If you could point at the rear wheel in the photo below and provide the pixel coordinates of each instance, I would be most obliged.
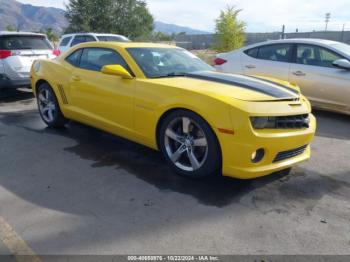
(49, 108)
(189, 145)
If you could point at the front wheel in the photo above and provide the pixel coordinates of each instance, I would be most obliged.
(189, 145)
(49, 108)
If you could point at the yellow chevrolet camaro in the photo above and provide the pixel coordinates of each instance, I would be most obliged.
(164, 97)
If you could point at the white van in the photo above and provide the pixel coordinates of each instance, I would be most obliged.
(69, 40)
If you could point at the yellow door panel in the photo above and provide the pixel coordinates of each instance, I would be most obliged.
(103, 98)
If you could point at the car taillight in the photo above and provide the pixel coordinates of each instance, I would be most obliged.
(5, 54)
(56, 52)
(219, 61)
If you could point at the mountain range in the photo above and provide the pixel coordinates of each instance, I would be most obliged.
(26, 17)
(171, 28)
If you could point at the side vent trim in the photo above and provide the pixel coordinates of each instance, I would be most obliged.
(63, 95)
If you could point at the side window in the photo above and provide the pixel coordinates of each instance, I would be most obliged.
(316, 56)
(278, 52)
(111, 38)
(306, 54)
(78, 39)
(328, 57)
(65, 41)
(89, 38)
(95, 58)
(74, 58)
(253, 52)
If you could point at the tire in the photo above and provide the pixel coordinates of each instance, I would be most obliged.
(49, 108)
(189, 145)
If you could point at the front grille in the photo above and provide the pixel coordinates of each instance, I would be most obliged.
(292, 122)
(290, 153)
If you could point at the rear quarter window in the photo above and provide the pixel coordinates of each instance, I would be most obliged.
(65, 41)
(253, 52)
(24, 42)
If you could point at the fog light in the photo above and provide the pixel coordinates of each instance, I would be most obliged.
(258, 155)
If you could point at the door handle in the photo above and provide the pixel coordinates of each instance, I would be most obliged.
(76, 78)
(250, 66)
(299, 73)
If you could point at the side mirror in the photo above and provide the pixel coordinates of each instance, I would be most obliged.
(342, 64)
(116, 70)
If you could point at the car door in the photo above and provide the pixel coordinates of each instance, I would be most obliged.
(324, 84)
(272, 60)
(101, 98)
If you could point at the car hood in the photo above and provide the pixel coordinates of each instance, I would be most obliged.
(247, 88)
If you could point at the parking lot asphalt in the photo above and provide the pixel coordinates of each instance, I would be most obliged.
(79, 190)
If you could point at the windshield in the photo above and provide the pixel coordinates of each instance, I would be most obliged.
(167, 62)
(23, 42)
(113, 38)
(342, 47)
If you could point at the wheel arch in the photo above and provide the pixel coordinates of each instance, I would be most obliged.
(60, 94)
(171, 110)
(39, 83)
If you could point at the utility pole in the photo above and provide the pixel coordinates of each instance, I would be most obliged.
(283, 29)
(342, 33)
(327, 18)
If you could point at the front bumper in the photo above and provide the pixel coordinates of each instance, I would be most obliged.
(237, 150)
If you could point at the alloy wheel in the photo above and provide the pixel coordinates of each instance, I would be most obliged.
(186, 144)
(47, 105)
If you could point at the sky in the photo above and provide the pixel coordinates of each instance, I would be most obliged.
(259, 15)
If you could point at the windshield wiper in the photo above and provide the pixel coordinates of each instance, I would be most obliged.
(177, 74)
(172, 74)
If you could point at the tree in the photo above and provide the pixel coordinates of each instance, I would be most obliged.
(10, 28)
(229, 31)
(130, 18)
(159, 36)
(51, 35)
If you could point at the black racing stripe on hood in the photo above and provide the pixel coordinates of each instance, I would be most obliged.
(244, 82)
(277, 84)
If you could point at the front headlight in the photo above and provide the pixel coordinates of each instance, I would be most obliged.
(261, 122)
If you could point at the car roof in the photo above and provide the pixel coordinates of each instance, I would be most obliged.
(305, 40)
(94, 34)
(19, 33)
(294, 40)
(125, 45)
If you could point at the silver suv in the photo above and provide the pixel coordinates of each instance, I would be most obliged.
(18, 50)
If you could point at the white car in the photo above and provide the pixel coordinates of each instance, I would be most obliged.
(69, 40)
(18, 50)
(320, 67)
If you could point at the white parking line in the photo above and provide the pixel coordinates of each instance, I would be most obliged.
(16, 244)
